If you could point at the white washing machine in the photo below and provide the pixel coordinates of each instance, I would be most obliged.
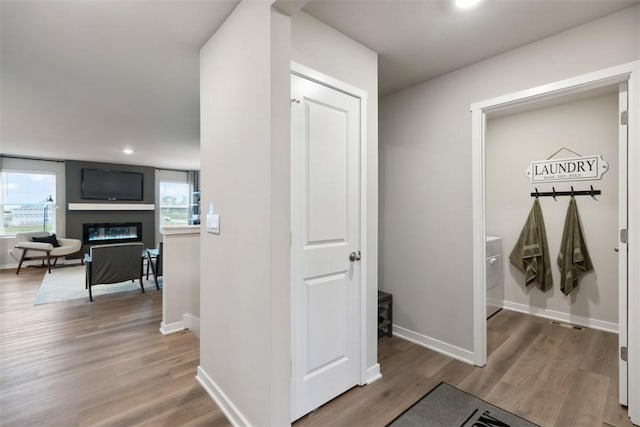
(495, 282)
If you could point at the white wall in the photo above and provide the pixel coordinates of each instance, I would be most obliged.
(244, 336)
(55, 167)
(589, 127)
(181, 276)
(328, 51)
(425, 169)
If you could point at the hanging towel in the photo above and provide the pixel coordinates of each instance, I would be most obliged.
(531, 252)
(573, 258)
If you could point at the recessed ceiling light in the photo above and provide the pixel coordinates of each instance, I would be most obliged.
(127, 151)
(466, 4)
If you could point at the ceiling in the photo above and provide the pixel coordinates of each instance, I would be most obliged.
(419, 40)
(84, 79)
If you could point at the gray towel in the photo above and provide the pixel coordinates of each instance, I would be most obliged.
(573, 258)
(531, 252)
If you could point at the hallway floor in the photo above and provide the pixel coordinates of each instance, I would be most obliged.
(550, 374)
(105, 363)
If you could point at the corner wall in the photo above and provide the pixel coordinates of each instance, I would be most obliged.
(244, 289)
(425, 171)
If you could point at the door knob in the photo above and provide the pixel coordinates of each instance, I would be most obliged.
(616, 249)
(354, 256)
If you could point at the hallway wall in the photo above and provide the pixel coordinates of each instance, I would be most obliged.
(425, 171)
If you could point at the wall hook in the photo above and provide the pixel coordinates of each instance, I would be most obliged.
(572, 191)
(554, 193)
(537, 193)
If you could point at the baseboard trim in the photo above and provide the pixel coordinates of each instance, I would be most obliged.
(9, 266)
(192, 323)
(172, 328)
(600, 325)
(372, 374)
(25, 264)
(230, 410)
(434, 344)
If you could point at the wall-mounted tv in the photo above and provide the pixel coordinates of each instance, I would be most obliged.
(105, 184)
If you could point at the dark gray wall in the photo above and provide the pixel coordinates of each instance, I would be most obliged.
(75, 219)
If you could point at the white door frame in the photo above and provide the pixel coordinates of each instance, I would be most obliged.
(325, 80)
(630, 73)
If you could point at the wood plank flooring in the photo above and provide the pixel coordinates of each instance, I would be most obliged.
(77, 363)
(549, 374)
(105, 363)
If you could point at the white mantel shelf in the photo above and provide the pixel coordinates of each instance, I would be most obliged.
(179, 229)
(112, 206)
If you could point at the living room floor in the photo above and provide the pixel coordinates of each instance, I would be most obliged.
(105, 363)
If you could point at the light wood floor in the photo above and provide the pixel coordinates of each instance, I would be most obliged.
(105, 363)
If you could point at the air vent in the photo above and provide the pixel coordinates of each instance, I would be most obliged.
(566, 325)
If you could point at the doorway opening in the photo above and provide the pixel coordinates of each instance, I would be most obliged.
(593, 85)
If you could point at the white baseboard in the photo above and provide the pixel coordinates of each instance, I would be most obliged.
(8, 266)
(230, 410)
(192, 323)
(372, 374)
(562, 317)
(434, 344)
(172, 328)
(29, 263)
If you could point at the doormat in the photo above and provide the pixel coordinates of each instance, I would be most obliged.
(446, 406)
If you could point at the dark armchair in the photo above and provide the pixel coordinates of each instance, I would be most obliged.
(113, 264)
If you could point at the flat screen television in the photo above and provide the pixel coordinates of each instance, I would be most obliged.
(105, 184)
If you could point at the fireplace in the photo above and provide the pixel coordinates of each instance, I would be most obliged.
(111, 232)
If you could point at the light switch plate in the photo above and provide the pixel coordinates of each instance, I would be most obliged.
(213, 223)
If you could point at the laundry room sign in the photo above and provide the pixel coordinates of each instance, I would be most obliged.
(573, 169)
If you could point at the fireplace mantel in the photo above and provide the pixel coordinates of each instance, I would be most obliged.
(112, 206)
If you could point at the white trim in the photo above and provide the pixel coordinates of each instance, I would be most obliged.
(434, 344)
(626, 72)
(623, 252)
(594, 80)
(62, 261)
(192, 323)
(573, 319)
(478, 121)
(633, 272)
(168, 230)
(112, 206)
(364, 262)
(9, 266)
(373, 374)
(225, 404)
(171, 328)
(325, 80)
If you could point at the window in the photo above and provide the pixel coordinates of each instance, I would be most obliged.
(174, 203)
(26, 199)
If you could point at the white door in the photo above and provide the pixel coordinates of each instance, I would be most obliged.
(325, 244)
(623, 276)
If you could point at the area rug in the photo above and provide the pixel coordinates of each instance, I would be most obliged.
(446, 406)
(66, 283)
